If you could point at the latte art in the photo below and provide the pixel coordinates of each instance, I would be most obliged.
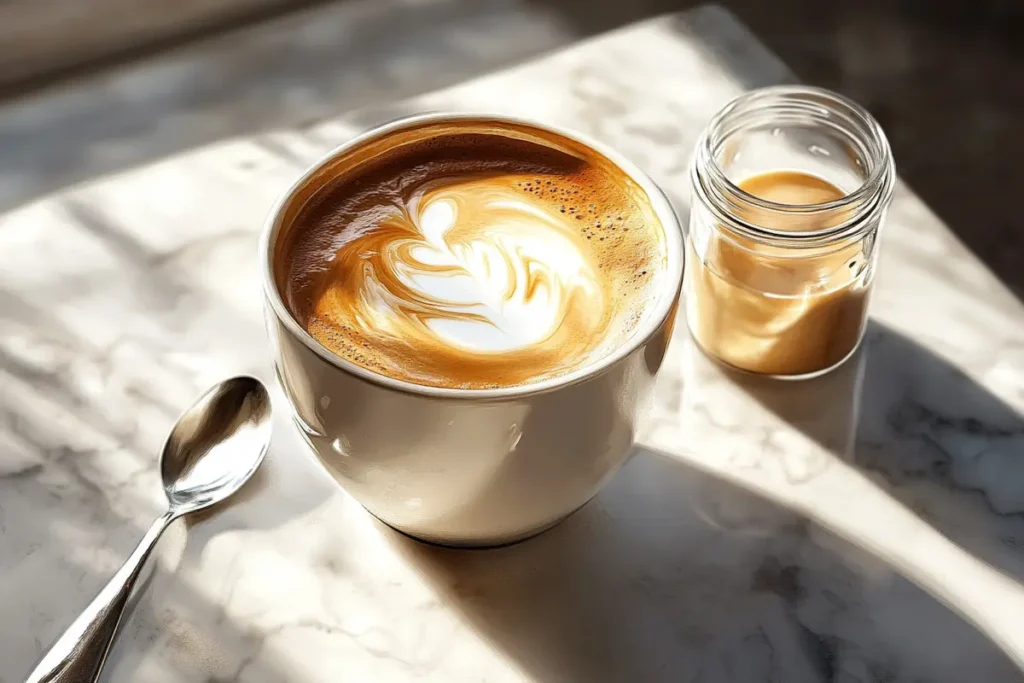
(475, 271)
(471, 265)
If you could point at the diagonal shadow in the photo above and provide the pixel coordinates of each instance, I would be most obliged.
(938, 441)
(299, 68)
(671, 574)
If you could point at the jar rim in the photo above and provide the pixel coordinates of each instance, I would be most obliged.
(870, 196)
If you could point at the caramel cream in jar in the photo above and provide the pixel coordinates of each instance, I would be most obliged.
(791, 185)
(757, 309)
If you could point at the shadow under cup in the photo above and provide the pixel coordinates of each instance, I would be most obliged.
(467, 467)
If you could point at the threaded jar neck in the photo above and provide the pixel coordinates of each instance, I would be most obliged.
(796, 128)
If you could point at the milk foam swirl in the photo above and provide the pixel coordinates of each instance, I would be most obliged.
(473, 258)
(472, 266)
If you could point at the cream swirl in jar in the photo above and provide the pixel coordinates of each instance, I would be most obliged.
(475, 261)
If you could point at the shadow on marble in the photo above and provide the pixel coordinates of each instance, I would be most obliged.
(929, 71)
(285, 73)
(937, 440)
(672, 574)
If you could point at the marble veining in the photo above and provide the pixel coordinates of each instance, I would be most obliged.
(865, 527)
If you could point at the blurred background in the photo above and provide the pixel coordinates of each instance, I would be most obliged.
(945, 79)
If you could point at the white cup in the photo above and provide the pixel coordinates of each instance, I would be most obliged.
(467, 467)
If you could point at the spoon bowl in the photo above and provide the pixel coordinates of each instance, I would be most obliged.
(216, 445)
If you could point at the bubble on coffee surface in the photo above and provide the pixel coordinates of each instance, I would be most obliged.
(479, 275)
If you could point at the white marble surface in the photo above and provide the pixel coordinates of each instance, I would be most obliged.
(866, 527)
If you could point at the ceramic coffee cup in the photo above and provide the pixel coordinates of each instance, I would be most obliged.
(467, 467)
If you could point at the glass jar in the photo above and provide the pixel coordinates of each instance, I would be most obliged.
(790, 189)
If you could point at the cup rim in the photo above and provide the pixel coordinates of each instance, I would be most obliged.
(664, 306)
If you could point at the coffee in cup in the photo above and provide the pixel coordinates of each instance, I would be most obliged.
(474, 259)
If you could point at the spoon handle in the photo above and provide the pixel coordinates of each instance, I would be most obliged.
(79, 653)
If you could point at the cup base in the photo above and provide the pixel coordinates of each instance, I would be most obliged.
(474, 544)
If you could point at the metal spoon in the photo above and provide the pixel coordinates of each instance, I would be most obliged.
(214, 448)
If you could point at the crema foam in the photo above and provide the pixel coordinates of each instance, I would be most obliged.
(486, 258)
